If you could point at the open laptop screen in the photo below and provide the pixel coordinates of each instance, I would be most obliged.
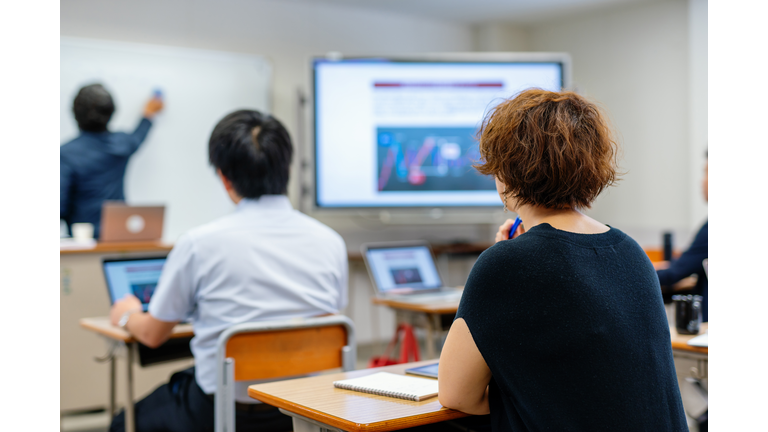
(134, 276)
(395, 268)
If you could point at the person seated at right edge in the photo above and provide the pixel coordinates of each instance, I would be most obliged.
(691, 262)
(263, 262)
(561, 328)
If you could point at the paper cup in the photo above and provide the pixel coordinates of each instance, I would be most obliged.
(82, 231)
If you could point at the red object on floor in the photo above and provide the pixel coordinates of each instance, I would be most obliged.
(409, 348)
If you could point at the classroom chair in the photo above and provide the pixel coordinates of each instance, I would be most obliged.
(278, 349)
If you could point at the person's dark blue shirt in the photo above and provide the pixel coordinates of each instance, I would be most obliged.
(92, 171)
(690, 263)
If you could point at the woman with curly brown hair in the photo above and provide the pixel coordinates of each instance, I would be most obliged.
(562, 327)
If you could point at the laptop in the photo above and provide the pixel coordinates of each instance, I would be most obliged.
(121, 222)
(406, 271)
(137, 276)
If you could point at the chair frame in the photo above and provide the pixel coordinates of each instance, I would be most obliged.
(224, 416)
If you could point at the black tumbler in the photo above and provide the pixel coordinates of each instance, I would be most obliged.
(687, 313)
(667, 246)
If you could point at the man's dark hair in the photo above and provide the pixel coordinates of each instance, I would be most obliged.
(93, 107)
(253, 151)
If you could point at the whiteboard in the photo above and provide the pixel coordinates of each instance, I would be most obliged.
(199, 87)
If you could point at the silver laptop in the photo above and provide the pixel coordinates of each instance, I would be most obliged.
(121, 222)
(406, 271)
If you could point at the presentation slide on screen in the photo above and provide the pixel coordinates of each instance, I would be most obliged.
(134, 277)
(405, 133)
(398, 268)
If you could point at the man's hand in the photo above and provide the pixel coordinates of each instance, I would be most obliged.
(125, 304)
(661, 265)
(503, 232)
(154, 106)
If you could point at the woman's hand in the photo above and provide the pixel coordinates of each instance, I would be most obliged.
(503, 232)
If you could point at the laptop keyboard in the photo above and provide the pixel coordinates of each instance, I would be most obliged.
(432, 297)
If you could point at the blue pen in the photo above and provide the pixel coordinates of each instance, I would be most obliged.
(517, 223)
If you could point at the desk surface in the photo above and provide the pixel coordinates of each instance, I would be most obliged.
(440, 249)
(121, 247)
(680, 342)
(316, 398)
(446, 307)
(102, 326)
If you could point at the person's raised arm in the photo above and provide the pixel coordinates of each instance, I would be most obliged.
(153, 106)
(463, 375)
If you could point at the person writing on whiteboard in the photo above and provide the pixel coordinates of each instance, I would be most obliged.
(266, 261)
(563, 326)
(92, 166)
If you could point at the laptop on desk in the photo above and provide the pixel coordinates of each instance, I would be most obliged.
(121, 222)
(406, 271)
(137, 276)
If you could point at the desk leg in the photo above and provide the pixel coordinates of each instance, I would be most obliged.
(438, 326)
(431, 329)
(112, 384)
(303, 424)
(130, 416)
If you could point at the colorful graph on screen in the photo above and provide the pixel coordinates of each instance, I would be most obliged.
(429, 159)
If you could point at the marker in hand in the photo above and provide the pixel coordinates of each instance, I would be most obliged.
(154, 105)
(515, 225)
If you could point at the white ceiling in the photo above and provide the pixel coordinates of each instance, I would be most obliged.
(474, 11)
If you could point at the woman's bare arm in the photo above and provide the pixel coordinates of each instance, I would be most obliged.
(463, 375)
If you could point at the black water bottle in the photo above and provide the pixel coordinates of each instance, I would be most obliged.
(667, 246)
(687, 313)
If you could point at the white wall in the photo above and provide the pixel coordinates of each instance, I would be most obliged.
(634, 61)
(697, 48)
(647, 64)
(500, 37)
(286, 33)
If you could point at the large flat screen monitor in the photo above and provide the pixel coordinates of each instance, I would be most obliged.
(402, 132)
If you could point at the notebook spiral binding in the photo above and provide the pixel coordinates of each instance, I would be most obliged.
(369, 390)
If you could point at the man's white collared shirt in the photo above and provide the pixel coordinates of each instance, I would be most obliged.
(265, 261)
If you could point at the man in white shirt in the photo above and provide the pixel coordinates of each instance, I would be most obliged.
(265, 261)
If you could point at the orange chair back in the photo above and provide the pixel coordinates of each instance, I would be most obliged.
(282, 353)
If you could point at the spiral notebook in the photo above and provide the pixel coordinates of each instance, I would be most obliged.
(392, 385)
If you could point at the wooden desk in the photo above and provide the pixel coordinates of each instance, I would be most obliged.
(315, 404)
(430, 314)
(121, 247)
(681, 350)
(102, 326)
(83, 293)
(121, 340)
(680, 341)
(442, 249)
